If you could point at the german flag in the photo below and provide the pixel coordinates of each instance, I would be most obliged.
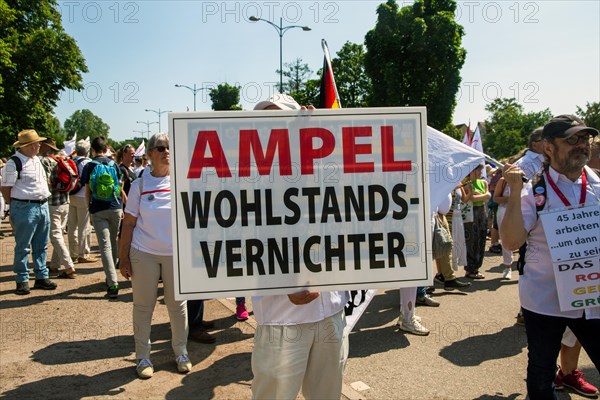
(328, 97)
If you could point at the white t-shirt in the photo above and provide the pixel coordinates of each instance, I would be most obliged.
(537, 286)
(33, 184)
(152, 232)
(279, 310)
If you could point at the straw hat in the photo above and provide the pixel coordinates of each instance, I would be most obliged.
(27, 137)
(51, 143)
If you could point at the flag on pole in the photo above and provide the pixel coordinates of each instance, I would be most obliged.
(477, 145)
(467, 138)
(141, 150)
(69, 145)
(329, 97)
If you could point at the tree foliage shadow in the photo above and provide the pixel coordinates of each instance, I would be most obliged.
(93, 291)
(234, 368)
(474, 350)
(383, 309)
(75, 386)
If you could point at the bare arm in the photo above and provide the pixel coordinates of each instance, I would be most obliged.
(512, 230)
(498, 193)
(6, 193)
(128, 224)
(88, 194)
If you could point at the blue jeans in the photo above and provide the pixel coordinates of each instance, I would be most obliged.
(31, 223)
(106, 223)
(240, 300)
(544, 335)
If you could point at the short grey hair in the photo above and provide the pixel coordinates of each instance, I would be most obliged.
(157, 138)
(82, 148)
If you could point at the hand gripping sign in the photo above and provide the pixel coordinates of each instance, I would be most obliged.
(273, 202)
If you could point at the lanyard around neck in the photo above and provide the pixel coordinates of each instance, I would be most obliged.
(560, 193)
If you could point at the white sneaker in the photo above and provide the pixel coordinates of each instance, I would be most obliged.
(427, 301)
(507, 274)
(184, 365)
(414, 327)
(145, 369)
(401, 318)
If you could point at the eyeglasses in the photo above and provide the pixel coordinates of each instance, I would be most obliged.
(574, 139)
(161, 149)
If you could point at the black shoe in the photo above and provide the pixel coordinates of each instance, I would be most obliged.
(208, 324)
(439, 278)
(455, 283)
(112, 292)
(201, 336)
(496, 248)
(45, 284)
(429, 289)
(22, 288)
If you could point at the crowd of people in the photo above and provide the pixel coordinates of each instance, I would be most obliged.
(129, 208)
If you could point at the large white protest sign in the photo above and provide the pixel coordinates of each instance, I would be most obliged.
(574, 242)
(272, 202)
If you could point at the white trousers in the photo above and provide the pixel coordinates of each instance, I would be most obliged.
(58, 221)
(80, 229)
(408, 297)
(308, 356)
(146, 271)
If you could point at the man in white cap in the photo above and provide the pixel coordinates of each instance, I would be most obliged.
(300, 340)
(25, 189)
(568, 181)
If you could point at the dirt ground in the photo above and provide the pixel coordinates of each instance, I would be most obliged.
(74, 343)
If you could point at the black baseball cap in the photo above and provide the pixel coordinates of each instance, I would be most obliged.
(563, 126)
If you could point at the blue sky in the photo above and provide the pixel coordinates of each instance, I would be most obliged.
(544, 53)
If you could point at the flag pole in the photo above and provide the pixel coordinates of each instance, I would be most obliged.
(328, 60)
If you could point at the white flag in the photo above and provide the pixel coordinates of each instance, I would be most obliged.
(449, 162)
(141, 150)
(69, 145)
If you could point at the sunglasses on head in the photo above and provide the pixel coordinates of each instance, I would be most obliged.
(161, 149)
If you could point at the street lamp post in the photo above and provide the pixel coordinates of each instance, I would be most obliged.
(148, 123)
(193, 90)
(280, 31)
(159, 113)
(142, 132)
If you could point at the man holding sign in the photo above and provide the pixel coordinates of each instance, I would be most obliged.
(300, 339)
(558, 287)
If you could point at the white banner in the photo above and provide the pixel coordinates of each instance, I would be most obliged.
(572, 235)
(273, 202)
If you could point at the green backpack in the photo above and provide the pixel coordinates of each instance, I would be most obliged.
(104, 181)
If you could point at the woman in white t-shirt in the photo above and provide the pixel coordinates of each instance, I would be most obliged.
(145, 252)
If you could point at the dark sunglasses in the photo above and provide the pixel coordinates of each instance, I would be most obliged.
(574, 139)
(161, 149)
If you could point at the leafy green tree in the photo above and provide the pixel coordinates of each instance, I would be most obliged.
(37, 61)
(508, 127)
(414, 57)
(85, 123)
(351, 80)
(225, 97)
(296, 74)
(591, 114)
